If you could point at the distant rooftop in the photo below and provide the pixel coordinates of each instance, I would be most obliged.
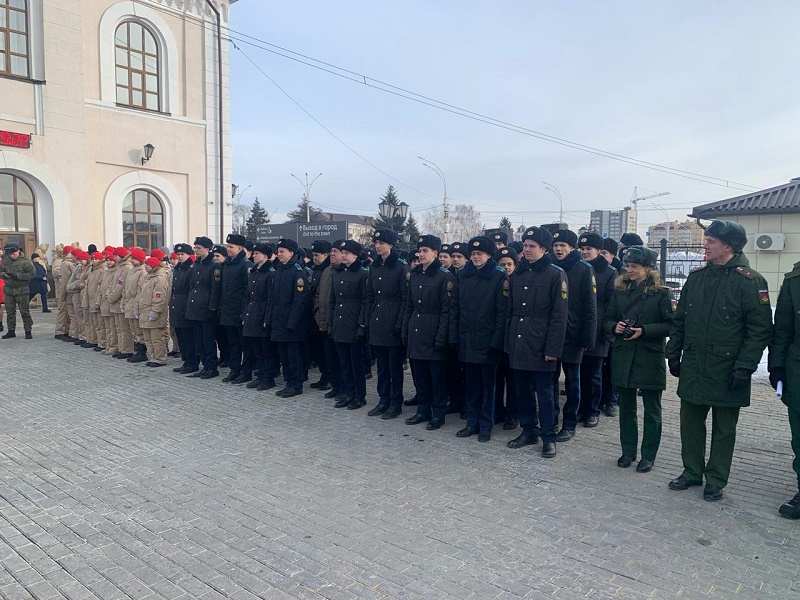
(358, 219)
(779, 199)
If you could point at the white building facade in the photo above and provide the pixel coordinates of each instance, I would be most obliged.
(88, 88)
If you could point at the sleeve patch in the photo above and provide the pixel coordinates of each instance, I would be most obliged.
(158, 294)
(763, 296)
(505, 288)
(674, 304)
(563, 290)
(120, 282)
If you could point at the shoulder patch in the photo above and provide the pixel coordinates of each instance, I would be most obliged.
(763, 296)
(505, 288)
(408, 275)
(700, 268)
(217, 274)
(747, 273)
(563, 290)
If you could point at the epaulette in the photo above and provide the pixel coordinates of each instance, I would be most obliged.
(586, 263)
(402, 261)
(365, 269)
(794, 273)
(746, 272)
(698, 268)
(556, 267)
(298, 267)
(501, 269)
(443, 270)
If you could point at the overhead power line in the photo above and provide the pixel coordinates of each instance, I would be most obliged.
(336, 137)
(388, 88)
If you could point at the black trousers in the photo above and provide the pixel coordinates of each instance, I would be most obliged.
(291, 354)
(186, 342)
(222, 342)
(240, 355)
(456, 383)
(263, 357)
(609, 397)
(431, 390)
(206, 343)
(351, 361)
(390, 374)
(366, 357)
(535, 390)
(572, 383)
(316, 343)
(480, 396)
(332, 360)
(591, 387)
(505, 406)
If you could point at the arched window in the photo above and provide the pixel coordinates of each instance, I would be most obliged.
(17, 209)
(14, 38)
(137, 77)
(142, 220)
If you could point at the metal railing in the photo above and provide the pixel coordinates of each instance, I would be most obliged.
(675, 263)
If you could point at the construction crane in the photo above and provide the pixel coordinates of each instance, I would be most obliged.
(636, 198)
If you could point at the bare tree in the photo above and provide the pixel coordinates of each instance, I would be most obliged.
(465, 222)
(240, 214)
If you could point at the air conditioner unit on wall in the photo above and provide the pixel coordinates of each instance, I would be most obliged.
(772, 242)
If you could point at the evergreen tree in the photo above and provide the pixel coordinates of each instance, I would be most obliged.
(505, 223)
(298, 215)
(412, 231)
(397, 223)
(258, 217)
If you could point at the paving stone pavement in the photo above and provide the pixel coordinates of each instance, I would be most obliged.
(118, 481)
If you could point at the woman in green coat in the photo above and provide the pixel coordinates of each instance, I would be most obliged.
(639, 316)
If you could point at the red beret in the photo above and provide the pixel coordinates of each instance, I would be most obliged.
(121, 252)
(97, 256)
(157, 253)
(81, 255)
(153, 262)
(173, 255)
(108, 249)
(68, 249)
(138, 254)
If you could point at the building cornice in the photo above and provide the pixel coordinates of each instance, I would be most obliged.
(195, 8)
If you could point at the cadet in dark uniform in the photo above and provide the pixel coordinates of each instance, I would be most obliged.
(721, 328)
(504, 406)
(590, 245)
(179, 299)
(639, 316)
(444, 258)
(347, 318)
(477, 328)
(254, 317)
(784, 366)
(426, 327)
(206, 283)
(387, 290)
(320, 257)
(459, 255)
(220, 255)
(499, 237)
(581, 327)
(287, 316)
(609, 400)
(235, 271)
(536, 325)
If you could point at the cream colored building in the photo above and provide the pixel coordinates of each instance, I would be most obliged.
(93, 82)
(771, 218)
(688, 233)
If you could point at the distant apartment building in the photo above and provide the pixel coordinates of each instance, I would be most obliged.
(688, 233)
(613, 223)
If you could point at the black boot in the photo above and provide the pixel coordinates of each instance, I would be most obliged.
(141, 354)
(10, 334)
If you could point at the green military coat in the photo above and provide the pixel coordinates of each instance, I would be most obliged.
(784, 351)
(639, 363)
(17, 274)
(723, 323)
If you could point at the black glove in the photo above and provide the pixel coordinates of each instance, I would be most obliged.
(361, 336)
(11, 275)
(439, 346)
(674, 366)
(775, 375)
(330, 331)
(740, 379)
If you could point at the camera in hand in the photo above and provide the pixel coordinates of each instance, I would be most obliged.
(628, 331)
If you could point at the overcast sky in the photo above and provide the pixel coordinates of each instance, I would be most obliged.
(710, 87)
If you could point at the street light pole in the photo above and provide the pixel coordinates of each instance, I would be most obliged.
(435, 168)
(237, 195)
(554, 189)
(307, 188)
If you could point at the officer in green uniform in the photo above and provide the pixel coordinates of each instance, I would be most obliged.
(784, 365)
(721, 327)
(17, 270)
(639, 316)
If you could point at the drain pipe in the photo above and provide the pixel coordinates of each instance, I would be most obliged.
(219, 118)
